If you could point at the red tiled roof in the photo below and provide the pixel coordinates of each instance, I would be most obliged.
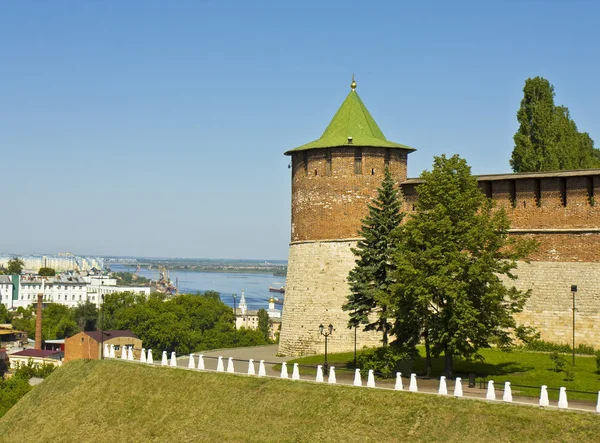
(35, 353)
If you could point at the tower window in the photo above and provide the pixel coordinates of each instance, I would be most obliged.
(328, 162)
(358, 161)
(316, 172)
(372, 171)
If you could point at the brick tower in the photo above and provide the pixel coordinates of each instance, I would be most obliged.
(333, 179)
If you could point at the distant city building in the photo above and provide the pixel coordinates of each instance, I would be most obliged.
(37, 356)
(248, 318)
(69, 289)
(59, 262)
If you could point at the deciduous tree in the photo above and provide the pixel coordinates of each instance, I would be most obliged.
(450, 258)
(548, 138)
(15, 266)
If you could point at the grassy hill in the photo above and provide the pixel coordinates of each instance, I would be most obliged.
(112, 401)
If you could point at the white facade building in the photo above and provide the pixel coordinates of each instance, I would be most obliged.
(67, 289)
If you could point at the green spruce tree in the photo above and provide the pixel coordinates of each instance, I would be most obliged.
(370, 280)
(548, 138)
(449, 261)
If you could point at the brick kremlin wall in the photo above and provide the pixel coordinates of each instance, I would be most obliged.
(557, 209)
(331, 205)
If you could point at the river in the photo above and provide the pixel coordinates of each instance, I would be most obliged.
(255, 286)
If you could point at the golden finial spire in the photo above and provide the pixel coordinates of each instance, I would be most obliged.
(353, 84)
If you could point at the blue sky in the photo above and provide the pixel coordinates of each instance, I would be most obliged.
(157, 128)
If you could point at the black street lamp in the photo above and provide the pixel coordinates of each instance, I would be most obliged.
(326, 334)
(573, 291)
(102, 328)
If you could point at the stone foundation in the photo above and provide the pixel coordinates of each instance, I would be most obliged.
(316, 288)
(550, 307)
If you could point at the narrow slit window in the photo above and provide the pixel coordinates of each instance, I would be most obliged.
(562, 185)
(513, 193)
(328, 162)
(590, 191)
(305, 161)
(358, 161)
(316, 172)
(537, 192)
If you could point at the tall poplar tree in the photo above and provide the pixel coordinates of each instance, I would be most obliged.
(449, 260)
(548, 138)
(371, 279)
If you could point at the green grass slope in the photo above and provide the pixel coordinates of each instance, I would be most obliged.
(112, 401)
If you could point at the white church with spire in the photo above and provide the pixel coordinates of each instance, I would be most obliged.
(248, 318)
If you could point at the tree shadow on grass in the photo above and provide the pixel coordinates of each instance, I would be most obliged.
(465, 367)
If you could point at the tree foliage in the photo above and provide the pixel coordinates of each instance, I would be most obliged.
(185, 323)
(15, 266)
(449, 260)
(371, 279)
(263, 323)
(12, 389)
(547, 138)
(47, 272)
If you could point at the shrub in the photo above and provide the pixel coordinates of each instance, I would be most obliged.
(559, 362)
(598, 362)
(527, 334)
(384, 361)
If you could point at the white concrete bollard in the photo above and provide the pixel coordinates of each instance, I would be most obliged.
(491, 392)
(191, 363)
(398, 386)
(371, 379)
(284, 371)
(149, 359)
(295, 372)
(598, 403)
(412, 386)
(201, 361)
(319, 378)
(106, 351)
(458, 390)
(562, 399)
(507, 396)
(357, 379)
(230, 365)
(262, 372)
(112, 351)
(331, 379)
(173, 360)
(220, 367)
(443, 389)
(544, 401)
(143, 356)
(164, 361)
(123, 353)
(130, 353)
(251, 370)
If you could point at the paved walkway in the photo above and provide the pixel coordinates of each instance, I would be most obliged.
(428, 386)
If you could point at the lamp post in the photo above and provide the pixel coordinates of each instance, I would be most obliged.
(102, 328)
(326, 334)
(573, 291)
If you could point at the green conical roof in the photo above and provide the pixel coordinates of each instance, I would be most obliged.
(351, 120)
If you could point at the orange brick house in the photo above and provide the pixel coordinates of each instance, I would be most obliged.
(88, 344)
